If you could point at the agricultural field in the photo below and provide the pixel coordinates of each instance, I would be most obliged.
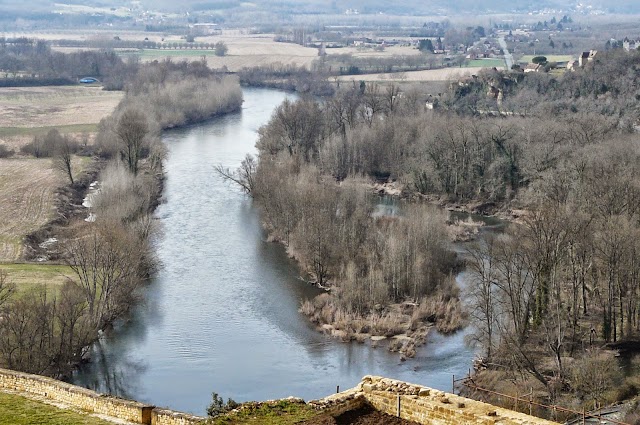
(444, 74)
(27, 187)
(244, 51)
(369, 52)
(25, 110)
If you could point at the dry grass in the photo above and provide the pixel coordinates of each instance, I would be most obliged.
(244, 51)
(362, 52)
(26, 201)
(35, 107)
(406, 324)
(445, 74)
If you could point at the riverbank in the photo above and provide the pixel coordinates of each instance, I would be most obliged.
(106, 244)
(222, 312)
(472, 207)
(374, 266)
(402, 327)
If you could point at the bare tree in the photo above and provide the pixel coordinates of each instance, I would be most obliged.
(132, 129)
(107, 265)
(244, 176)
(7, 288)
(63, 158)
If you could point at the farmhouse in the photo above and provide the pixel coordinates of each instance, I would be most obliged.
(586, 57)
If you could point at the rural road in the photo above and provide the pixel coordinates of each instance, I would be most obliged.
(508, 58)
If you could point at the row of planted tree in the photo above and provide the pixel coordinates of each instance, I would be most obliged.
(48, 330)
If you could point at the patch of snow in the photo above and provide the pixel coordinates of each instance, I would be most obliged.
(48, 243)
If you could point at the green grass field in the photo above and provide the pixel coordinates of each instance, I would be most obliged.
(28, 277)
(485, 63)
(41, 131)
(279, 413)
(16, 410)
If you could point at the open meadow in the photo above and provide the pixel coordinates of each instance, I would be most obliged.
(28, 185)
(244, 51)
(445, 74)
(28, 110)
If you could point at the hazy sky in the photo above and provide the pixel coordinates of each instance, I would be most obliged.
(423, 7)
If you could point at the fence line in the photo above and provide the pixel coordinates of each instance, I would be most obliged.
(467, 381)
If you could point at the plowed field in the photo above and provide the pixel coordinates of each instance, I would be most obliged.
(26, 201)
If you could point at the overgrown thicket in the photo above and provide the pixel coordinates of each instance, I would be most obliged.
(175, 94)
(608, 86)
(550, 291)
(567, 279)
(564, 281)
(287, 77)
(371, 264)
(164, 95)
(111, 255)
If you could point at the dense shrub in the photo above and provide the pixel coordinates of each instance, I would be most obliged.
(50, 144)
(5, 152)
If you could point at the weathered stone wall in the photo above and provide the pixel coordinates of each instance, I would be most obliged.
(78, 397)
(169, 417)
(90, 401)
(336, 404)
(423, 405)
(432, 407)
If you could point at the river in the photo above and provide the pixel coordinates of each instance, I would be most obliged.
(222, 314)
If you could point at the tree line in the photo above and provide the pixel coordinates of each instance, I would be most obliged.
(550, 292)
(110, 255)
(24, 61)
(370, 264)
(555, 288)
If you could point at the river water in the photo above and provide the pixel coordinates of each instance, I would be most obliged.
(222, 314)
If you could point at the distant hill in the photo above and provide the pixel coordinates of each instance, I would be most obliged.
(405, 7)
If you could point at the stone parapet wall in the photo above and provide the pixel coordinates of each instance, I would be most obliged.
(432, 407)
(414, 402)
(91, 401)
(170, 417)
(337, 404)
(78, 397)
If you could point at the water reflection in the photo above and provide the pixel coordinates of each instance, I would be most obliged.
(222, 315)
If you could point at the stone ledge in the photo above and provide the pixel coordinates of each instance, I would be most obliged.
(409, 401)
(171, 417)
(90, 401)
